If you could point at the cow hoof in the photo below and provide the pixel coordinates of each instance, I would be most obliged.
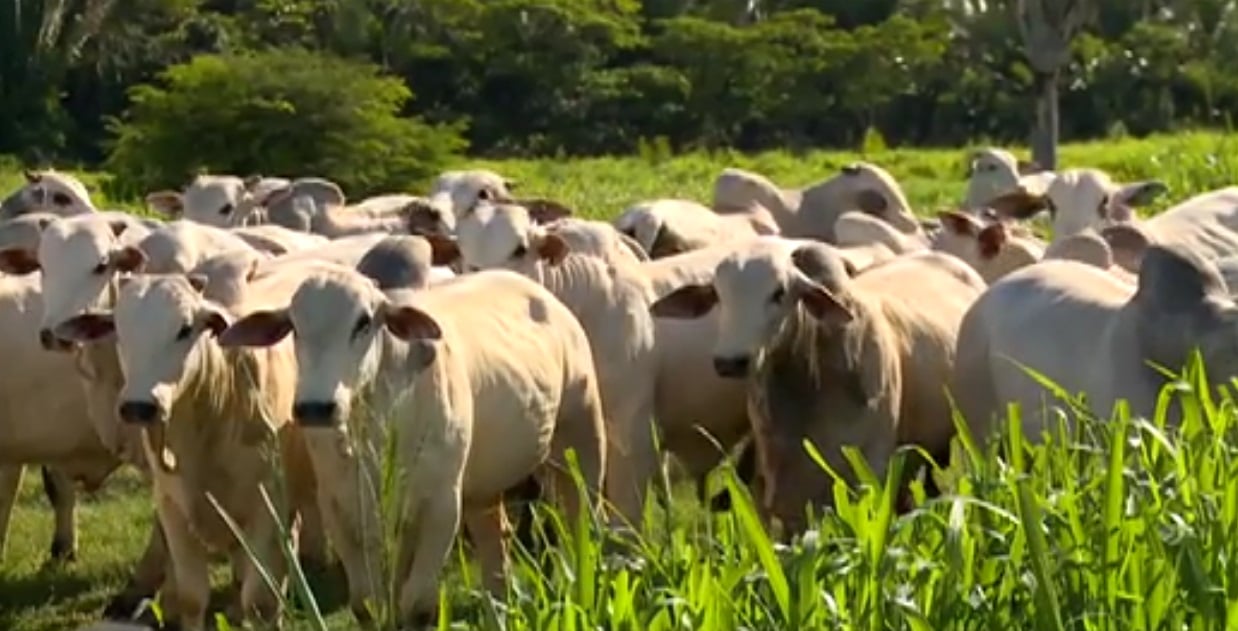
(62, 551)
(128, 606)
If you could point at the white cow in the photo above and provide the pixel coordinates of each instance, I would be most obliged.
(484, 378)
(610, 297)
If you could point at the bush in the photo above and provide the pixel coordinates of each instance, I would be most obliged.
(285, 112)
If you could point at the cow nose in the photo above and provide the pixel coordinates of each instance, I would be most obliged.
(731, 367)
(314, 413)
(139, 412)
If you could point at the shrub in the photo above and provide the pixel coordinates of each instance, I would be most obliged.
(283, 112)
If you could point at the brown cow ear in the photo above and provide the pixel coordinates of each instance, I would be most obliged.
(688, 302)
(18, 261)
(88, 327)
(871, 201)
(32, 177)
(127, 259)
(167, 203)
(197, 281)
(214, 321)
(443, 250)
(424, 219)
(410, 323)
(260, 328)
(823, 305)
(552, 248)
(1019, 204)
(959, 222)
(1027, 167)
(992, 239)
(545, 210)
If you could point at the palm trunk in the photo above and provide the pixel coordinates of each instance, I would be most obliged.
(1045, 135)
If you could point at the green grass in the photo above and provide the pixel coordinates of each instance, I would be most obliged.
(1131, 526)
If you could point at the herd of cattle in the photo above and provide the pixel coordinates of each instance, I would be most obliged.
(260, 335)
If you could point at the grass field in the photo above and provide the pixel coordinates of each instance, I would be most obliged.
(1130, 526)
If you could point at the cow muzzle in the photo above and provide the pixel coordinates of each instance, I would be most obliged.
(315, 413)
(732, 367)
(140, 413)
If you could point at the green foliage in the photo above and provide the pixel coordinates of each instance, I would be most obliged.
(280, 112)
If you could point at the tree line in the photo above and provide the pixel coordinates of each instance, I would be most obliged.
(154, 87)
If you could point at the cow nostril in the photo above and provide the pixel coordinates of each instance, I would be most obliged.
(139, 412)
(314, 413)
(731, 366)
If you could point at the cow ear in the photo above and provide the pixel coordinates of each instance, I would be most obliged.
(1019, 204)
(443, 250)
(252, 182)
(275, 196)
(822, 304)
(127, 259)
(1027, 167)
(88, 327)
(214, 320)
(992, 239)
(260, 328)
(545, 210)
(168, 203)
(118, 226)
(410, 323)
(871, 201)
(959, 223)
(511, 184)
(18, 261)
(552, 248)
(198, 281)
(689, 302)
(1141, 193)
(32, 177)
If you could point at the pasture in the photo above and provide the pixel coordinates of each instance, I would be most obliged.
(1128, 526)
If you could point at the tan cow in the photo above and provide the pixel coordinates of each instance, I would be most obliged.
(835, 360)
(670, 226)
(1078, 199)
(209, 417)
(484, 379)
(610, 298)
(1091, 333)
(812, 212)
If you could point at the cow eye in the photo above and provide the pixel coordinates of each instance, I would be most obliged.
(1104, 205)
(777, 296)
(184, 333)
(1052, 206)
(520, 251)
(100, 268)
(362, 324)
(484, 194)
(60, 199)
(226, 210)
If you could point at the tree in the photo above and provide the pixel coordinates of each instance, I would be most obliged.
(279, 112)
(1047, 28)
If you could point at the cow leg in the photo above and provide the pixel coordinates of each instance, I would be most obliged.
(429, 530)
(10, 484)
(257, 599)
(631, 462)
(521, 497)
(147, 577)
(349, 515)
(190, 569)
(302, 490)
(62, 494)
(489, 529)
